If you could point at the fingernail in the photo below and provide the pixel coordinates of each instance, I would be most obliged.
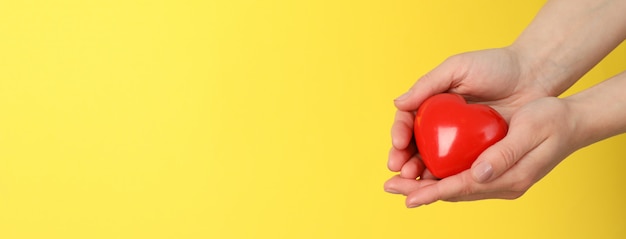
(391, 190)
(404, 96)
(482, 171)
(395, 141)
(413, 205)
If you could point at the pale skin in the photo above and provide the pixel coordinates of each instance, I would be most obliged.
(521, 81)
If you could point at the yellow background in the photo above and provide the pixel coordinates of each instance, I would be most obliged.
(254, 119)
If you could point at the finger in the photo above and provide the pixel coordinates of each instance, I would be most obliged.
(439, 80)
(489, 195)
(519, 178)
(412, 168)
(405, 186)
(501, 156)
(504, 107)
(428, 175)
(397, 157)
(451, 187)
(514, 182)
(402, 129)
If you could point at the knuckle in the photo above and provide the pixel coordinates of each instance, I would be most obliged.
(513, 195)
(467, 188)
(426, 79)
(521, 185)
(507, 156)
(454, 59)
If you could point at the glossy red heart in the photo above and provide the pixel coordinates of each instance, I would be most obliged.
(450, 134)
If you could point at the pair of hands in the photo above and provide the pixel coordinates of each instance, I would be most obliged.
(541, 133)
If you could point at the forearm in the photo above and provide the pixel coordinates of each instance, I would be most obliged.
(600, 111)
(567, 38)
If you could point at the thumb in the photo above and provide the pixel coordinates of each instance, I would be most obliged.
(439, 80)
(501, 156)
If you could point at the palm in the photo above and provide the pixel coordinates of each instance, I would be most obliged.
(494, 77)
(534, 156)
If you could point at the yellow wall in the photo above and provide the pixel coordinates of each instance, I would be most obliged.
(253, 119)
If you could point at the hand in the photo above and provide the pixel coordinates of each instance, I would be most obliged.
(541, 135)
(495, 77)
(536, 65)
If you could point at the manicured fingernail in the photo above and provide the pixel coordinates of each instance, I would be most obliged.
(482, 171)
(404, 96)
(413, 205)
(391, 190)
(395, 141)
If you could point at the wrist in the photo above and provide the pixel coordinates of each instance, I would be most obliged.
(580, 124)
(599, 112)
(567, 38)
(540, 69)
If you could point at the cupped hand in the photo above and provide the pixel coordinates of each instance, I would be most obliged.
(541, 134)
(496, 77)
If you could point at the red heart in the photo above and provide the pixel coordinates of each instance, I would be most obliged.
(450, 134)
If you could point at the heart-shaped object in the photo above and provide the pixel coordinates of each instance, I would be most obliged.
(450, 134)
